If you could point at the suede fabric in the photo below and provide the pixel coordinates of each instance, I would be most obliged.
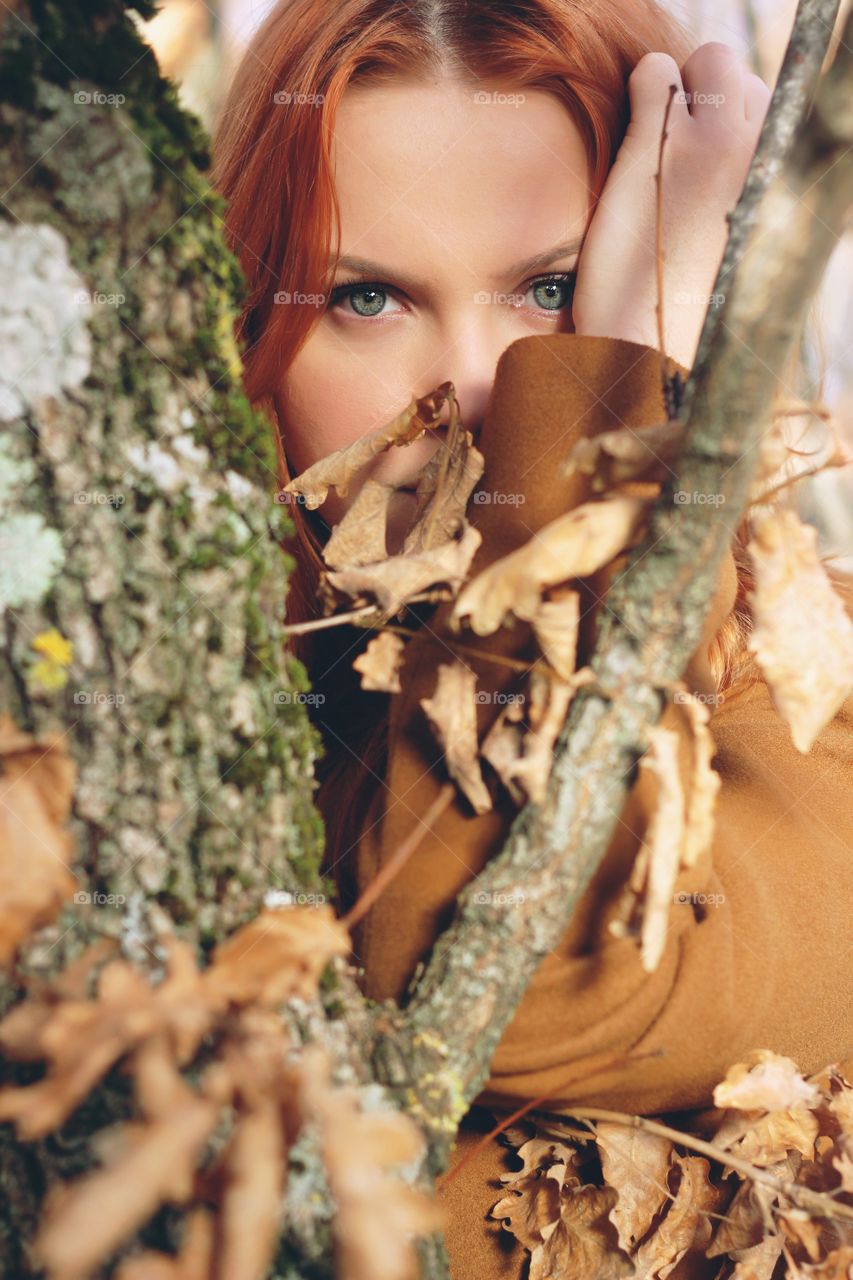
(759, 955)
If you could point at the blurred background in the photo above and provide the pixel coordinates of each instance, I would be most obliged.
(199, 44)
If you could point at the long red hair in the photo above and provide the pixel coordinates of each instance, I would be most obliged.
(272, 162)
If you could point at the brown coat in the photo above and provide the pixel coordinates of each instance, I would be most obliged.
(768, 963)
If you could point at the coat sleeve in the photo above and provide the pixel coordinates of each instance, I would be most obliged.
(759, 949)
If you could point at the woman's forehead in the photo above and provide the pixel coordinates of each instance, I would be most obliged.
(440, 168)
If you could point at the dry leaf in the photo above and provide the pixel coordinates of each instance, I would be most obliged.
(337, 469)
(539, 1153)
(574, 545)
(759, 1262)
(36, 783)
(252, 1203)
(444, 487)
(656, 866)
(194, 1261)
(769, 1083)
(635, 1164)
(452, 712)
(503, 746)
(688, 1224)
(520, 744)
(87, 1221)
(627, 454)
(532, 1208)
(583, 1241)
(704, 782)
(772, 1137)
(748, 1220)
(802, 637)
(546, 710)
(555, 624)
(377, 1214)
(379, 665)
(280, 954)
(359, 537)
(837, 1265)
(393, 582)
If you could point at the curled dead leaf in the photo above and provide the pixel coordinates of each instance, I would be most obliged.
(379, 665)
(377, 1212)
(394, 581)
(36, 783)
(797, 616)
(635, 1163)
(649, 891)
(452, 712)
(627, 453)
(572, 546)
(337, 469)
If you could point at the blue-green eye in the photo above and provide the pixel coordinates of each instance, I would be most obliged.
(552, 293)
(366, 300)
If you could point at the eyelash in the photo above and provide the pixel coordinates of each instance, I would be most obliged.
(342, 291)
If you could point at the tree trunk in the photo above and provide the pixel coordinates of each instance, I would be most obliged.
(138, 519)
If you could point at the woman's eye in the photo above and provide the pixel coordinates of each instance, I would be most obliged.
(365, 300)
(552, 293)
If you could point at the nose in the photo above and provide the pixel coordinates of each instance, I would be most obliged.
(472, 372)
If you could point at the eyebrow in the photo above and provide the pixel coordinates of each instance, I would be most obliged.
(365, 267)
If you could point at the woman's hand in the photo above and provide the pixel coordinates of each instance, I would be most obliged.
(714, 123)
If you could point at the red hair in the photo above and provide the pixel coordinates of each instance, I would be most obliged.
(272, 163)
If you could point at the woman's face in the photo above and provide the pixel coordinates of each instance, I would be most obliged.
(448, 193)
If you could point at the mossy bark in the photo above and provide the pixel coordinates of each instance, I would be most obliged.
(139, 522)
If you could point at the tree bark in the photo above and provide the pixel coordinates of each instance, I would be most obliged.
(138, 519)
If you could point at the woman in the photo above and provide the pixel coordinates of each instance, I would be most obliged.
(430, 190)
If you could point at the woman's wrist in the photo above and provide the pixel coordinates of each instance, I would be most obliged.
(681, 346)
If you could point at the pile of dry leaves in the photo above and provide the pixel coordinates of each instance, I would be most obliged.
(769, 1193)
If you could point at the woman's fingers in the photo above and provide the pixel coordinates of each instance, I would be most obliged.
(757, 97)
(714, 78)
(648, 93)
